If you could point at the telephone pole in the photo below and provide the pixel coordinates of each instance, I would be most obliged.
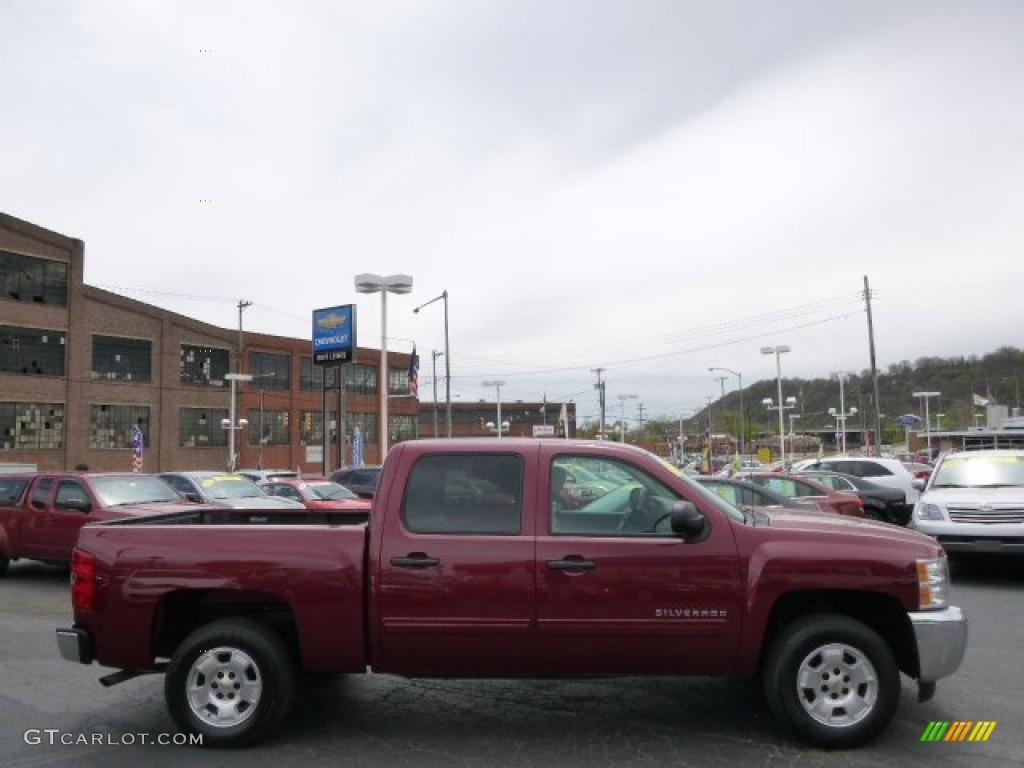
(876, 448)
(600, 397)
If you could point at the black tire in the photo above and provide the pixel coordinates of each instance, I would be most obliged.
(231, 681)
(4, 562)
(833, 680)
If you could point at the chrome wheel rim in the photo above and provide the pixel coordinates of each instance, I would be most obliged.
(837, 685)
(223, 687)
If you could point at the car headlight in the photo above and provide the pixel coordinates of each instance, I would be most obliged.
(933, 583)
(930, 512)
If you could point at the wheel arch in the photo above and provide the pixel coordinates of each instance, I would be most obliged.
(884, 614)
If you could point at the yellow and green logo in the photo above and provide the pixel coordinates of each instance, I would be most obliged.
(958, 730)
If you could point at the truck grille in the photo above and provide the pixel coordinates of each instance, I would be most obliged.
(973, 513)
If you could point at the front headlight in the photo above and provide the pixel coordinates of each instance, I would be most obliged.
(933, 583)
(929, 512)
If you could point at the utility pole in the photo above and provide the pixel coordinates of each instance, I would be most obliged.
(435, 355)
(236, 453)
(640, 410)
(600, 397)
(876, 448)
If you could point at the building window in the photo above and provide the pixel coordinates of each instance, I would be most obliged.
(272, 424)
(121, 359)
(398, 381)
(110, 426)
(32, 351)
(360, 379)
(204, 366)
(403, 428)
(27, 278)
(312, 376)
(201, 427)
(270, 371)
(31, 426)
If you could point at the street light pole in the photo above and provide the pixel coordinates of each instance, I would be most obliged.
(622, 423)
(497, 387)
(370, 283)
(927, 419)
(232, 425)
(777, 351)
(743, 427)
(447, 361)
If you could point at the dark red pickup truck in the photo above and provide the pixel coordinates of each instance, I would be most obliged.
(42, 512)
(472, 566)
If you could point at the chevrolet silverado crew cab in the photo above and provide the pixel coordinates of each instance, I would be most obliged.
(473, 565)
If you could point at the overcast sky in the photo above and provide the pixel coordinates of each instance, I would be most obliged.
(651, 187)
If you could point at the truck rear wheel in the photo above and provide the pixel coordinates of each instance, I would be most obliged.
(230, 681)
(833, 680)
(4, 562)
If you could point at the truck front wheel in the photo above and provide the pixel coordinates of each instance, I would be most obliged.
(231, 681)
(833, 680)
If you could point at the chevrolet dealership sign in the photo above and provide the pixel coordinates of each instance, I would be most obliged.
(334, 335)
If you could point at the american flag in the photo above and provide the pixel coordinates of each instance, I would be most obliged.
(414, 373)
(137, 445)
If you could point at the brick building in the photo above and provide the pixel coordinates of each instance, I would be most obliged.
(81, 367)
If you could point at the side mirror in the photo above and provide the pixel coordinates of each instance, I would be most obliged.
(688, 521)
(918, 484)
(193, 497)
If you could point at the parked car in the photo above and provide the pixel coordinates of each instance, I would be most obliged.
(742, 493)
(796, 487)
(880, 502)
(920, 470)
(319, 493)
(41, 513)
(660, 578)
(360, 480)
(974, 502)
(263, 475)
(224, 490)
(884, 471)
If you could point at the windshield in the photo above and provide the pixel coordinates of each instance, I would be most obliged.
(133, 489)
(228, 487)
(330, 492)
(967, 471)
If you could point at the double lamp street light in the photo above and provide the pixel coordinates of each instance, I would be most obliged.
(370, 283)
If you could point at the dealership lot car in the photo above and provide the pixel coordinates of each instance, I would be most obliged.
(880, 502)
(224, 490)
(974, 502)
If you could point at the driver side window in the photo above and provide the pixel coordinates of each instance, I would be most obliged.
(596, 496)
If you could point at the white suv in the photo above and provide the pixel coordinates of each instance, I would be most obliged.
(888, 472)
(974, 502)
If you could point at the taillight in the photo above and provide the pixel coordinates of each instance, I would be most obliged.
(83, 581)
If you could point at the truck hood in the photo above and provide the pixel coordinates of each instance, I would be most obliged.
(817, 526)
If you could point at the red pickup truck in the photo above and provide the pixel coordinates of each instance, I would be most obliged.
(471, 565)
(42, 512)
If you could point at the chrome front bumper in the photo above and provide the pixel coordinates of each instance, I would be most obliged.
(941, 642)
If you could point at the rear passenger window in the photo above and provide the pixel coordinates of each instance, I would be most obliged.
(11, 488)
(871, 469)
(465, 494)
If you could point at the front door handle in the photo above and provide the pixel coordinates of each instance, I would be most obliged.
(415, 560)
(572, 563)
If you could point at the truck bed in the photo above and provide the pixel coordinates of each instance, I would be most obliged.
(166, 574)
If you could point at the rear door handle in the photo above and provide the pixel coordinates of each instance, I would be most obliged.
(571, 564)
(416, 560)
